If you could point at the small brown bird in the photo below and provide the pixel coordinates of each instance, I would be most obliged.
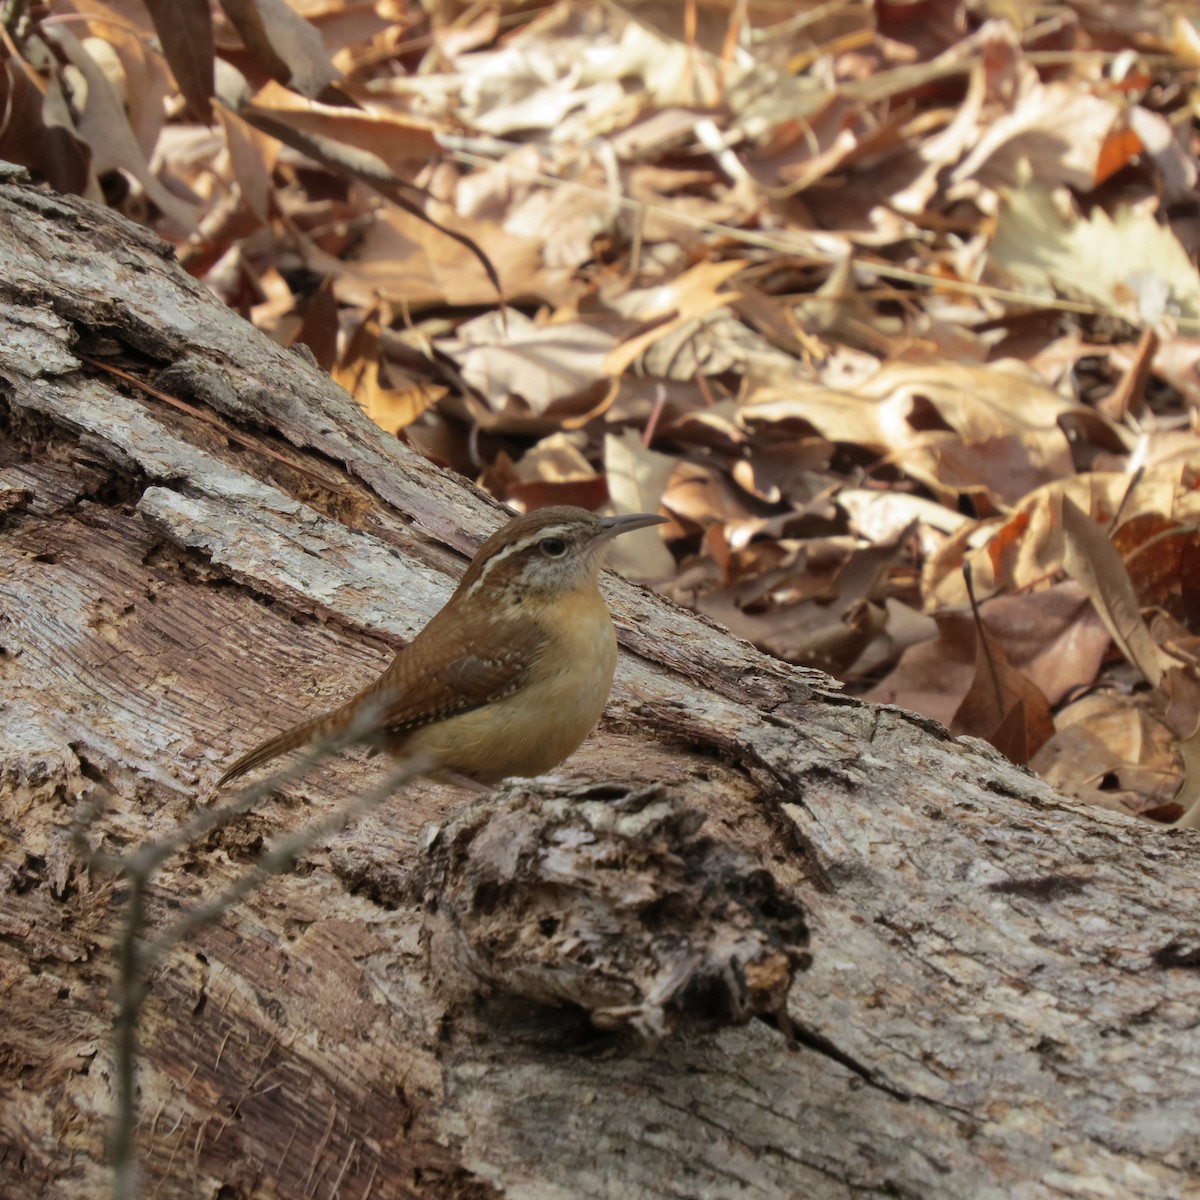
(513, 672)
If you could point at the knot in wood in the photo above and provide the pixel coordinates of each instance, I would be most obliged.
(621, 907)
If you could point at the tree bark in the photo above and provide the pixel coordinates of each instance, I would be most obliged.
(1003, 990)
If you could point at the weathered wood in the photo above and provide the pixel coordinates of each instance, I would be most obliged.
(1015, 977)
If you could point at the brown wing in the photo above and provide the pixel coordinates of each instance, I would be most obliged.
(436, 676)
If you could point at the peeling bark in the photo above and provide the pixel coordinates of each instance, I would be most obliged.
(612, 903)
(1003, 989)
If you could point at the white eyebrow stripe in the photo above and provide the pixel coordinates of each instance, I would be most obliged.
(516, 548)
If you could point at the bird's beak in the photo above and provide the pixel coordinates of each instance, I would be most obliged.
(611, 527)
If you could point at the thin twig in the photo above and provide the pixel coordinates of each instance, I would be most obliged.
(131, 990)
(985, 644)
(151, 855)
(136, 959)
(281, 857)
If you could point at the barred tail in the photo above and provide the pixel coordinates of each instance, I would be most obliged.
(281, 743)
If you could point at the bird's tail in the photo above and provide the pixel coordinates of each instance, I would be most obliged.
(315, 730)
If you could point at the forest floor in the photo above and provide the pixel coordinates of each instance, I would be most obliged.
(892, 309)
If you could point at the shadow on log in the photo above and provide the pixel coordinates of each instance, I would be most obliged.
(1003, 990)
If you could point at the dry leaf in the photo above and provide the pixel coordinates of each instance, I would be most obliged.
(1162, 557)
(395, 140)
(1111, 750)
(184, 28)
(1128, 263)
(1002, 705)
(318, 328)
(552, 472)
(283, 43)
(1092, 560)
(402, 261)
(35, 135)
(694, 294)
(360, 373)
(135, 70)
(1055, 131)
(539, 365)
(253, 156)
(902, 410)
(637, 478)
(104, 125)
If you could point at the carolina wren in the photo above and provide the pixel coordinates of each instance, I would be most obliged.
(513, 672)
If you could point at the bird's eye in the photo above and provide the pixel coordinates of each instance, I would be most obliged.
(553, 547)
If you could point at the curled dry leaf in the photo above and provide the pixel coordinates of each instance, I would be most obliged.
(252, 156)
(1055, 131)
(514, 359)
(318, 328)
(1112, 751)
(1162, 557)
(552, 472)
(283, 44)
(104, 125)
(791, 471)
(394, 139)
(137, 73)
(946, 424)
(362, 375)
(699, 495)
(1092, 560)
(401, 260)
(1026, 548)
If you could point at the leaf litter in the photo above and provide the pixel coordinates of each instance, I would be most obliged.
(892, 310)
